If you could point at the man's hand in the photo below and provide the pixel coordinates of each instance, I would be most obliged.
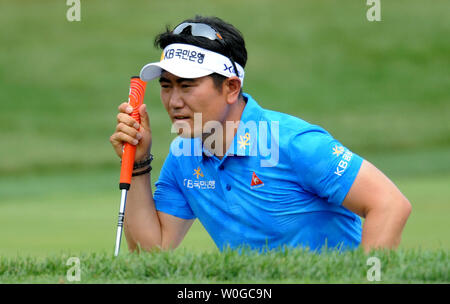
(129, 131)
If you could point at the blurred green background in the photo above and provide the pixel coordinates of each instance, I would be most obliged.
(381, 88)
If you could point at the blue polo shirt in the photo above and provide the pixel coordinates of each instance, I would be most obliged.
(281, 183)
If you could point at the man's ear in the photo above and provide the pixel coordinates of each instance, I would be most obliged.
(232, 87)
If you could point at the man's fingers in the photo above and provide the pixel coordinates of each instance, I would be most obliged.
(145, 121)
(117, 144)
(127, 120)
(130, 131)
(118, 139)
(125, 108)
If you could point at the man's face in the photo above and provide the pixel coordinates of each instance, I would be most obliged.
(182, 97)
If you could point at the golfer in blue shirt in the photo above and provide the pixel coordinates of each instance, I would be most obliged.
(253, 177)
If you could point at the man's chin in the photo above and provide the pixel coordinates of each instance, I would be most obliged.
(185, 130)
(190, 134)
(185, 135)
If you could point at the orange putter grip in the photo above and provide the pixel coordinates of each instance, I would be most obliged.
(135, 99)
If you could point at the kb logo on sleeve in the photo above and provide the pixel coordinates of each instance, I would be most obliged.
(345, 159)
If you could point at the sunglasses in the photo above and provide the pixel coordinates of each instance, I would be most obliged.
(206, 31)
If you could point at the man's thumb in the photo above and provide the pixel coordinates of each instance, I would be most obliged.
(145, 121)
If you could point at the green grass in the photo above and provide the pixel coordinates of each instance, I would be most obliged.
(72, 213)
(290, 266)
(377, 87)
(381, 88)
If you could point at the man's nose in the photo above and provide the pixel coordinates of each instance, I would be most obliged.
(176, 100)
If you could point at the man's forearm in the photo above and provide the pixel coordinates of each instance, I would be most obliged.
(383, 227)
(141, 223)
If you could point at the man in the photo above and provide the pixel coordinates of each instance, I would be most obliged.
(307, 190)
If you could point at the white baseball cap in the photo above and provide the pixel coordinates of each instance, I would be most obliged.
(190, 61)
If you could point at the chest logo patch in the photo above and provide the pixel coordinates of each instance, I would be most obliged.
(256, 181)
(198, 182)
(244, 141)
(198, 172)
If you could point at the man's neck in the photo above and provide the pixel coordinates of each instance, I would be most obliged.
(229, 127)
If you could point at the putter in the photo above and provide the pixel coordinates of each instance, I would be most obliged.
(135, 99)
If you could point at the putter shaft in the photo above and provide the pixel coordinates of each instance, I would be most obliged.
(123, 201)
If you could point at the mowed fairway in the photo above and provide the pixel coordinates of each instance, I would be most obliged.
(67, 217)
(382, 89)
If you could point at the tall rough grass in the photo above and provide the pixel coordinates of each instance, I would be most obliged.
(182, 266)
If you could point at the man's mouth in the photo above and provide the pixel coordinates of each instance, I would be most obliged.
(180, 117)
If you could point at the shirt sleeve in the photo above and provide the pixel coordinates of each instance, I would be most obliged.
(168, 196)
(323, 165)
